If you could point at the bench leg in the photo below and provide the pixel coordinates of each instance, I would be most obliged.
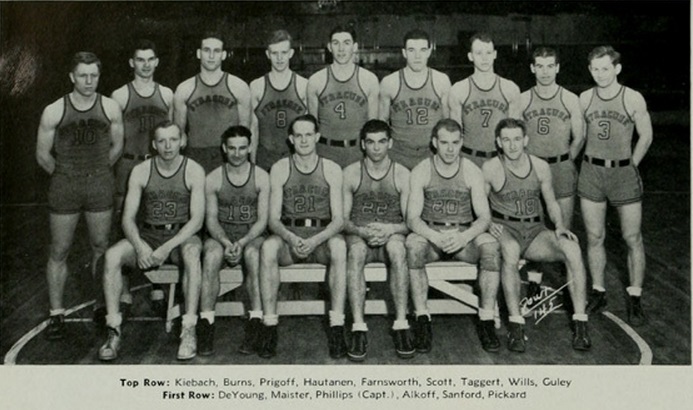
(169, 312)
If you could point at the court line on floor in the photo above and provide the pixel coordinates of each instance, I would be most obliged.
(11, 356)
(645, 351)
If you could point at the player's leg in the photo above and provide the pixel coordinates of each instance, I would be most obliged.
(213, 260)
(420, 252)
(99, 227)
(273, 252)
(334, 256)
(486, 251)
(190, 252)
(510, 279)
(357, 254)
(631, 221)
(253, 327)
(594, 218)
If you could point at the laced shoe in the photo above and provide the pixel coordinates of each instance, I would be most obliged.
(336, 343)
(596, 302)
(205, 337)
(268, 342)
(487, 335)
(109, 350)
(636, 315)
(359, 346)
(516, 337)
(251, 339)
(581, 340)
(423, 334)
(56, 327)
(403, 344)
(188, 343)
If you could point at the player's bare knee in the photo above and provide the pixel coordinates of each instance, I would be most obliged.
(596, 238)
(251, 254)
(337, 247)
(490, 257)
(633, 239)
(269, 251)
(357, 251)
(416, 250)
(112, 262)
(396, 251)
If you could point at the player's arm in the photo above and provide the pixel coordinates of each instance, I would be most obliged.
(301, 86)
(552, 207)
(136, 184)
(46, 135)
(474, 179)
(418, 179)
(458, 93)
(167, 96)
(643, 124)
(180, 107)
(441, 83)
(263, 186)
(279, 174)
(494, 178)
(388, 89)
(512, 93)
(333, 177)
(121, 97)
(352, 177)
(577, 123)
(242, 93)
(212, 186)
(316, 84)
(402, 183)
(114, 113)
(257, 88)
(372, 89)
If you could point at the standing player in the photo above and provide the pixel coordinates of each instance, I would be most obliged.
(305, 215)
(610, 173)
(413, 100)
(207, 104)
(481, 100)
(342, 96)
(446, 191)
(552, 114)
(516, 183)
(376, 190)
(80, 137)
(237, 201)
(170, 188)
(277, 98)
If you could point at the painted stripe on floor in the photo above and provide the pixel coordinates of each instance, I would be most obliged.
(645, 351)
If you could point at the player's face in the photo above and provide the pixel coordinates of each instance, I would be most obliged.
(482, 55)
(376, 145)
(279, 55)
(144, 62)
(304, 137)
(237, 150)
(513, 142)
(448, 145)
(85, 78)
(342, 46)
(211, 54)
(545, 70)
(417, 53)
(167, 143)
(604, 71)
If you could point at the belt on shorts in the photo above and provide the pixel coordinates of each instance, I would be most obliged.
(338, 143)
(608, 163)
(499, 215)
(164, 227)
(306, 222)
(137, 157)
(560, 158)
(477, 153)
(448, 224)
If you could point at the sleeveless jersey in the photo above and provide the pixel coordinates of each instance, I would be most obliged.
(140, 116)
(481, 112)
(306, 196)
(548, 125)
(82, 139)
(447, 199)
(519, 197)
(377, 200)
(276, 110)
(343, 107)
(414, 112)
(237, 204)
(166, 199)
(211, 110)
(609, 127)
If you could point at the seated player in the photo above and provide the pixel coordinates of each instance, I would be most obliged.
(237, 196)
(375, 201)
(170, 188)
(517, 182)
(446, 191)
(305, 215)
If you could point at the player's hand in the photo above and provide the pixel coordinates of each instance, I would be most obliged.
(232, 253)
(144, 254)
(308, 246)
(496, 230)
(159, 256)
(439, 240)
(378, 240)
(562, 232)
(455, 241)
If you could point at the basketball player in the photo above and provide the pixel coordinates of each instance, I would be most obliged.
(305, 216)
(446, 191)
(342, 96)
(481, 100)
(144, 103)
(552, 115)
(610, 173)
(516, 183)
(277, 98)
(413, 100)
(237, 196)
(170, 188)
(376, 190)
(205, 105)
(80, 137)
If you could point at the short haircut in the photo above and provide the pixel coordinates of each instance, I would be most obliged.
(545, 52)
(602, 51)
(235, 131)
(510, 123)
(343, 29)
(482, 36)
(305, 117)
(278, 36)
(447, 124)
(144, 44)
(215, 35)
(162, 125)
(84, 57)
(416, 34)
(373, 127)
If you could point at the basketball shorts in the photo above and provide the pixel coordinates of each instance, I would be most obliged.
(340, 154)
(266, 157)
(523, 232)
(564, 177)
(409, 156)
(374, 254)
(71, 194)
(209, 157)
(235, 231)
(619, 186)
(483, 250)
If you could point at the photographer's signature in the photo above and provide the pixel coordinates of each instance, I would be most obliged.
(541, 305)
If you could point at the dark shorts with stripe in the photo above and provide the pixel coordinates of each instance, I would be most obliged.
(71, 194)
(564, 176)
(342, 155)
(619, 185)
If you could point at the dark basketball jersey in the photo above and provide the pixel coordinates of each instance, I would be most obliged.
(140, 116)
(548, 125)
(447, 200)
(306, 196)
(237, 204)
(377, 200)
(211, 110)
(481, 112)
(520, 197)
(609, 127)
(166, 200)
(414, 112)
(82, 139)
(276, 110)
(342, 108)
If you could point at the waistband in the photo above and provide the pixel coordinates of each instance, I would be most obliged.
(607, 163)
(447, 224)
(338, 143)
(499, 215)
(560, 158)
(477, 153)
(306, 222)
(163, 227)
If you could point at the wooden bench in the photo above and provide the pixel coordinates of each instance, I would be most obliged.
(442, 276)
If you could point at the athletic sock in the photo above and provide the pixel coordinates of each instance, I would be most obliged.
(156, 294)
(582, 317)
(270, 320)
(423, 313)
(336, 319)
(189, 319)
(209, 315)
(359, 327)
(634, 291)
(485, 314)
(400, 325)
(56, 312)
(534, 276)
(599, 288)
(517, 319)
(126, 298)
(114, 320)
(255, 314)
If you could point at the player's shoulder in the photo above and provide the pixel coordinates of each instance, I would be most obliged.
(461, 85)
(422, 168)
(587, 94)
(632, 95)
(320, 75)
(165, 91)
(111, 107)
(187, 86)
(260, 174)
(195, 170)
(214, 177)
(391, 78)
(400, 169)
(235, 81)
(280, 168)
(439, 75)
(257, 86)
(508, 84)
(121, 93)
(538, 163)
(331, 167)
(55, 109)
(491, 166)
(469, 167)
(352, 169)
